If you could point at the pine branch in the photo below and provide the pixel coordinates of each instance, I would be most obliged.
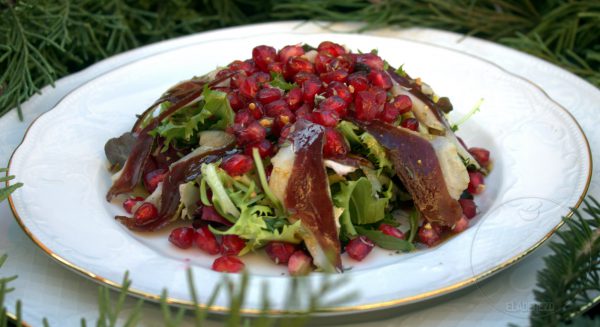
(570, 282)
(6, 191)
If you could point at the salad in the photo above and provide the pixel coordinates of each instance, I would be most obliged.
(307, 153)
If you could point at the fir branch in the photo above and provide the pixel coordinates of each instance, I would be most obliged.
(570, 282)
(6, 191)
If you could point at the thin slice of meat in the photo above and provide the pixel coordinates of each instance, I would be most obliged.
(416, 163)
(307, 197)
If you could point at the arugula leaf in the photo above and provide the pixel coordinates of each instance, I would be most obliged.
(386, 241)
(400, 71)
(359, 204)
(278, 81)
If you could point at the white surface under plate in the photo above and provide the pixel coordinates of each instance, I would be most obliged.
(542, 167)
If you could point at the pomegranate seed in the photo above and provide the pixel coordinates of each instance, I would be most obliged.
(335, 144)
(339, 75)
(391, 231)
(359, 247)
(263, 55)
(334, 103)
(236, 79)
(290, 51)
(268, 95)
(410, 123)
(265, 148)
(325, 118)
(301, 77)
(256, 109)
(276, 108)
(476, 183)
(237, 164)
(146, 212)
(380, 79)
(309, 90)
(403, 103)
(153, 178)
(343, 62)
(228, 264)
(299, 264)
(333, 49)
(380, 95)
(243, 117)
(294, 98)
(131, 202)
(366, 106)
(469, 207)
(254, 132)
(481, 155)
(261, 78)
(210, 214)
(299, 64)
(389, 114)
(206, 240)
(245, 66)
(284, 133)
(284, 119)
(275, 67)
(182, 237)
(461, 224)
(322, 63)
(358, 81)
(304, 111)
(374, 62)
(249, 87)
(339, 89)
(235, 100)
(232, 244)
(429, 235)
(223, 73)
(280, 252)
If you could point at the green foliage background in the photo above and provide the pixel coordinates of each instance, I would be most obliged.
(42, 40)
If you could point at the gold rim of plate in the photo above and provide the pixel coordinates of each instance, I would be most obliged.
(339, 309)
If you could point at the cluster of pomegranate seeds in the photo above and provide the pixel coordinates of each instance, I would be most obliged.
(359, 247)
(237, 164)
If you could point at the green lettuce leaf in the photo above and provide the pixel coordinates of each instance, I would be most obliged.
(278, 81)
(386, 241)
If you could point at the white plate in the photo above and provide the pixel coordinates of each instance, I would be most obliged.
(542, 167)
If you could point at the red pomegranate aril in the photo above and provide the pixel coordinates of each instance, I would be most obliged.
(301, 77)
(276, 108)
(476, 183)
(335, 144)
(358, 81)
(206, 240)
(232, 244)
(309, 90)
(237, 164)
(256, 109)
(391, 231)
(334, 103)
(245, 66)
(280, 252)
(236, 79)
(359, 247)
(299, 64)
(285, 118)
(131, 202)
(469, 207)
(339, 89)
(299, 264)
(428, 234)
(243, 117)
(262, 78)
(380, 78)
(380, 95)
(254, 132)
(265, 148)
(403, 103)
(263, 55)
(410, 123)
(366, 106)
(268, 95)
(370, 60)
(182, 237)
(389, 114)
(275, 67)
(294, 98)
(339, 75)
(481, 155)
(343, 62)
(249, 87)
(461, 224)
(333, 49)
(304, 111)
(211, 215)
(327, 118)
(322, 63)
(228, 264)
(153, 178)
(235, 101)
(146, 212)
(290, 51)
